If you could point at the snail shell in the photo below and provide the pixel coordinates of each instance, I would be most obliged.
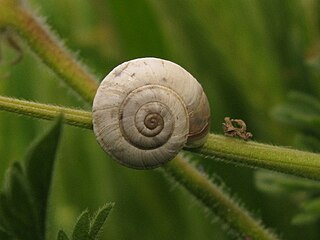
(146, 110)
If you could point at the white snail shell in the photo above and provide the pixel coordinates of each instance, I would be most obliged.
(146, 110)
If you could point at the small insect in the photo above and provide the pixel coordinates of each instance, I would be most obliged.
(236, 128)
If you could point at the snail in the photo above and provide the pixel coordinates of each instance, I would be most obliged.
(146, 110)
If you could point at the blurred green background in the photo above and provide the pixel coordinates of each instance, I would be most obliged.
(247, 54)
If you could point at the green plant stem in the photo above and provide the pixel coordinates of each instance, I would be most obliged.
(71, 116)
(217, 200)
(14, 15)
(253, 154)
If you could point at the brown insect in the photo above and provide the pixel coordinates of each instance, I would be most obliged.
(236, 128)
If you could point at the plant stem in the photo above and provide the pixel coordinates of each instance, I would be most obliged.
(47, 46)
(253, 154)
(71, 116)
(217, 200)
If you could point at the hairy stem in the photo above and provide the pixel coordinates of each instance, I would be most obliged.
(214, 198)
(253, 154)
(45, 44)
(71, 116)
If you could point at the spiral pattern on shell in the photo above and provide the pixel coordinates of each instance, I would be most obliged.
(146, 110)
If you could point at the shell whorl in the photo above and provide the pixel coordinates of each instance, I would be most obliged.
(146, 110)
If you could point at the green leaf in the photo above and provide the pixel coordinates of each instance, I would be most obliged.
(81, 230)
(310, 212)
(39, 164)
(20, 203)
(13, 224)
(300, 110)
(312, 206)
(23, 199)
(18, 194)
(275, 183)
(99, 220)
(87, 228)
(303, 219)
(62, 235)
(307, 142)
(304, 102)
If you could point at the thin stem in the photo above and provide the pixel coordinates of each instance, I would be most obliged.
(253, 154)
(220, 203)
(71, 116)
(46, 45)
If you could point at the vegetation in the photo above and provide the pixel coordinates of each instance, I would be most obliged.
(257, 60)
